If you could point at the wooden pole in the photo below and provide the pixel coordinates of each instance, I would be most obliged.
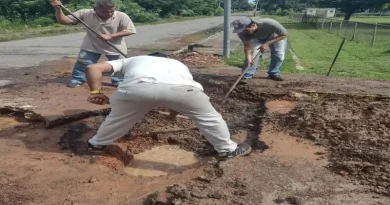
(354, 31)
(374, 35)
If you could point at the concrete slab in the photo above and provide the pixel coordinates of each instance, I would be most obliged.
(43, 93)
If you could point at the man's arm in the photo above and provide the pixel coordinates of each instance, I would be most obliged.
(116, 35)
(278, 38)
(126, 28)
(279, 30)
(94, 74)
(60, 16)
(248, 50)
(122, 34)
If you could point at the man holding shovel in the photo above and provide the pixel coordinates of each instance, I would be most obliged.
(112, 26)
(264, 35)
(151, 81)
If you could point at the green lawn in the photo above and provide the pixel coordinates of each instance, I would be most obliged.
(369, 19)
(316, 50)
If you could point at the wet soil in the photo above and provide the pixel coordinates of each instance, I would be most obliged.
(356, 131)
(308, 148)
(325, 126)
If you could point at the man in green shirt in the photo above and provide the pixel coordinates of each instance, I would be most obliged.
(266, 35)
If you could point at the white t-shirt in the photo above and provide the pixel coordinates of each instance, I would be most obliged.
(153, 70)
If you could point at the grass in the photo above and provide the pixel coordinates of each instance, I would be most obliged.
(17, 31)
(316, 50)
(369, 19)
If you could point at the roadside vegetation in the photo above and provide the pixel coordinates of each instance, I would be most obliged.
(21, 19)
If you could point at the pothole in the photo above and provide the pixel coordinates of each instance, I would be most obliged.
(285, 146)
(161, 161)
(280, 106)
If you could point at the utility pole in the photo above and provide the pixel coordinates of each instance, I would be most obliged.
(254, 12)
(226, 27)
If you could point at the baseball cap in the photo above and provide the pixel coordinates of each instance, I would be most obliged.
(240, 24)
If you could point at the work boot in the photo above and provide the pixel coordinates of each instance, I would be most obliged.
(275, 77)
(241, 150)
(96, 149)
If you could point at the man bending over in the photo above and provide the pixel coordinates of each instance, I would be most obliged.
(264, 35)
(151, 81)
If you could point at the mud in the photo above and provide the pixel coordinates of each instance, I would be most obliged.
(356, 132)
(308, 148)
(277, 119)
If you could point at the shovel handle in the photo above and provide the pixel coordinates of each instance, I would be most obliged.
(239, 78)
(93, 30)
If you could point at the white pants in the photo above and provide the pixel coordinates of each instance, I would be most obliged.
(128, 107)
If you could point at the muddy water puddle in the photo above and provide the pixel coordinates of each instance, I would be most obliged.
(285, 146)
(161, 161)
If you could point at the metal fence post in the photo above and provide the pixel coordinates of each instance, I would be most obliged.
(226, 28)
(341, 27)
(354, 31)
(374, 35)
(331, 24)
(322, 26)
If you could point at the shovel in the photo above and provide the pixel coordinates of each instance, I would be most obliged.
(239, 78)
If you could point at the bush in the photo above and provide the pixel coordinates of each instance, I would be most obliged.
(43, 21)
(137, 13)
(219, 11)
(144, 17)
(287, 12)
(278, 11)
(187, 12)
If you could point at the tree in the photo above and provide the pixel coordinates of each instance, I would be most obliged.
(350, 7)
(384, 7)
(241, 5)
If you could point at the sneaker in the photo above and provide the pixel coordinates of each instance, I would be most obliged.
(96, 148)
(241, 150)
(74, 83)
(115, 84)
(275, 77)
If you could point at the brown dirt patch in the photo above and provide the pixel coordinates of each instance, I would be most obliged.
(51, 166)
(280, 106)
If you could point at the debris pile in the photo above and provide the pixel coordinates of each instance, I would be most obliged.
(195, 59)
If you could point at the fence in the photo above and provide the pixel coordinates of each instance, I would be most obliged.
(373, 34)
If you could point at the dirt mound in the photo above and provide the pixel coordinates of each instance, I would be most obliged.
(195, 59)
(356, 131)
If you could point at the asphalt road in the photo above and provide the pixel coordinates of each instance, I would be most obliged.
(33, 52)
